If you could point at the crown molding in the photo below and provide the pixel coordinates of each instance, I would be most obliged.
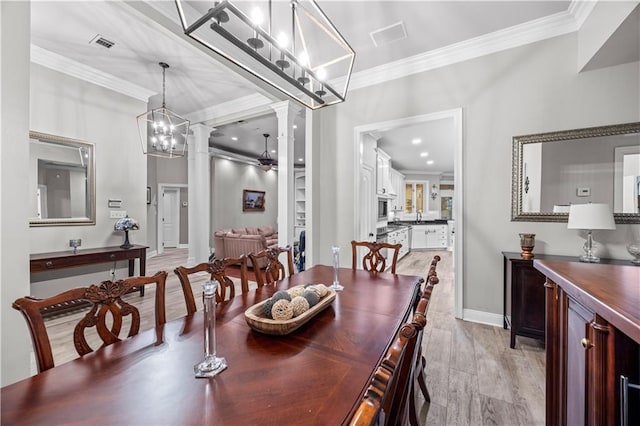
(242, 108)
(580, 10)
(81, 71)
(518, 35)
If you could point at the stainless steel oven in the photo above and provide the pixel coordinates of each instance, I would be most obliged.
(382, 209)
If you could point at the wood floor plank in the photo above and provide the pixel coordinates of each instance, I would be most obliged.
(497, 412)
(463, 398)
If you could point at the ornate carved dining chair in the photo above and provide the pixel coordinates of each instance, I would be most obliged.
(274, 269)
(217, 270)
(107, 307)
(386, 389)
(373, 260)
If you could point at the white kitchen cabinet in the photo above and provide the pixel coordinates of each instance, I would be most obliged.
(430, 236)
(419, 237)
(397, 182)
(383, 169)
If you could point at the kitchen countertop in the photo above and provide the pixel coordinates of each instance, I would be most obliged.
(422, 222)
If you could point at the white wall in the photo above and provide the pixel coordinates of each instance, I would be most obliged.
(14, 180)
(65, 106)
(229, 179)
(525, 90)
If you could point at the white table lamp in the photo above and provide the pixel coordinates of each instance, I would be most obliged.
(590, 217)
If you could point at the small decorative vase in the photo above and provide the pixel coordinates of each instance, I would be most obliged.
(634, 250)
(336, 265)
(212, 364)
(527, 242)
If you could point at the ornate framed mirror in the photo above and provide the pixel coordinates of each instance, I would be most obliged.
(61, 181)
(554, 170)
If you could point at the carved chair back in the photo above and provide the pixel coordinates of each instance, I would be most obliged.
(107, 306)
(217, 270)
(385, 388)
(373, 260)
(274, 270)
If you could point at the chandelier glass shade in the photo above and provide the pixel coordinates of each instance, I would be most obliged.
(265, 162)
(291, 45)
(163, 133)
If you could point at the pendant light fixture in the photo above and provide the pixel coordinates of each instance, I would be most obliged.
(163, 133)
(265, 162)
(288, 44)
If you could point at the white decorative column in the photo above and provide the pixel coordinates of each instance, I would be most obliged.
(199, 179)
(285, 111)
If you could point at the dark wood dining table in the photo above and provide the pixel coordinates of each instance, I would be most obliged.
(315, 375)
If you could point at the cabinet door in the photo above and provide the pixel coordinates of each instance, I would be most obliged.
(419, 237)
(578, 319)
(527, 303)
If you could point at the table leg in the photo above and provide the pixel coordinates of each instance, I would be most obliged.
(143, 267)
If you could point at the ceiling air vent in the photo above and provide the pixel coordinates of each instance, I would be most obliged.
(99, 40)
(388, 34)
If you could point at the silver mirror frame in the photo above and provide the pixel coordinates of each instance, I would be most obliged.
(91, 181)
(516, 175)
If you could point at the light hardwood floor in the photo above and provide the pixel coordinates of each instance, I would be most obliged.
(473, 376)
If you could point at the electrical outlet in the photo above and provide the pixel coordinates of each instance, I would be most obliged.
(117, 214)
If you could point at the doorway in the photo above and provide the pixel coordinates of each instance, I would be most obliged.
(169, 216)
(360, 209)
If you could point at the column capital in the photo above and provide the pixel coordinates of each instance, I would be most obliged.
(291, 108)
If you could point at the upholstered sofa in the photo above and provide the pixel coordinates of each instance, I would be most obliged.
(235, 242)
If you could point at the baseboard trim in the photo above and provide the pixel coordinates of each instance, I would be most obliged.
(152, 253)
(482, 317)
(183, 246)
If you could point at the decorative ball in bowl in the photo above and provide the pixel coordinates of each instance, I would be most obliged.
(634, 250)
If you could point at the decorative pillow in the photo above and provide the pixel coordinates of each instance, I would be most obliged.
(265, 230)
(253, 231)
(241, 231)
(222, 232)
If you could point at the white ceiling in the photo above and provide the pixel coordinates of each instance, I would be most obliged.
(198, 80)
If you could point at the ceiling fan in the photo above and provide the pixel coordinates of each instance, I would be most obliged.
(265, 162)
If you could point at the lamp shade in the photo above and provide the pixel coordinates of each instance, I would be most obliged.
(590, 216)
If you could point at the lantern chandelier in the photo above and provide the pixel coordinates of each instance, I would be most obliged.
(291, 45)
(163, 133)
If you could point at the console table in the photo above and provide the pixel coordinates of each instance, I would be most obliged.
(42, 262)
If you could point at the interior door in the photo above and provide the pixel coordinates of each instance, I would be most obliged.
(171, 217)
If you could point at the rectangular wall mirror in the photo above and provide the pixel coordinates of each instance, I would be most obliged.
(61, 181)
(553, 170)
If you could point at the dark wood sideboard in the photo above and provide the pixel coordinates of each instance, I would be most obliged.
(42, 262)
(523, 295)
(592, 339)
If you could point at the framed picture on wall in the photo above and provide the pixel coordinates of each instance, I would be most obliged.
(252, 201)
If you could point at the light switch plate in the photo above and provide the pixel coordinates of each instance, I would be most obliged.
(117, 214)
(583, 192)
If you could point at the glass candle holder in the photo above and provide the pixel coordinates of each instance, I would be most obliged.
(212, 364)
(336, 265)
(527, 242)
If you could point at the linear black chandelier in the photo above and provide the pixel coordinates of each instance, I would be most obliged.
(297, 50)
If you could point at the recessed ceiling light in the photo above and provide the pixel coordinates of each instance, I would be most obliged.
(430, 162)
(273, 151)
(424, 154)
(416, 141)
(295, 126)
(233, 138)
(300, 159)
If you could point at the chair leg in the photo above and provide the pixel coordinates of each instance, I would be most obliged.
(413, 412)
(421, 382)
